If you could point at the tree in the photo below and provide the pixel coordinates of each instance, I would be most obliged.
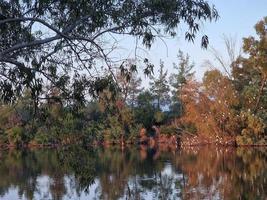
(145, 111)
(184, 71)
(160, 88)
(209, 106)
(179, 79)
(257, 51)
(250, 72)
(223, 97)
(130, 86)
(134, 90)
(64, 42)
(250, 81)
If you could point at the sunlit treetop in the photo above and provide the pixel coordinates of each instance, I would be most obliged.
(257, 47)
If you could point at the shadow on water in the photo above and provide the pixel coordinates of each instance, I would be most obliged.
(144, 173)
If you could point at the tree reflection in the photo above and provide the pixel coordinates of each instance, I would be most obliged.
(144, 173)
(226, 173)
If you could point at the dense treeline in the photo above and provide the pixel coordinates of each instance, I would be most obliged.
(223, 107)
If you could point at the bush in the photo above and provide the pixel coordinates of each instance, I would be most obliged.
(134, 132)
(93, 132)
(3, 137)
(159, 117)
(16, 135)
(190, 127)
(253, 132)
(168, 130)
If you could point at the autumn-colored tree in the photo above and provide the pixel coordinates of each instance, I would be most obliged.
(209, 105)
(197, 109)
(233, 103)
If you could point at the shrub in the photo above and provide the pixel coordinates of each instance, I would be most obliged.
(253, 131)
(16, 135)
(168, 130)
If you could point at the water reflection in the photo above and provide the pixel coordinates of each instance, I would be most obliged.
(78, 173)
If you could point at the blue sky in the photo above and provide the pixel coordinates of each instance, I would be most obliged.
(237, 19)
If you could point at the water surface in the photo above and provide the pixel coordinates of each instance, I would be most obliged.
(78, 173)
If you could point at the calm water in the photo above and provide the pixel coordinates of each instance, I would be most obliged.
(77, 173)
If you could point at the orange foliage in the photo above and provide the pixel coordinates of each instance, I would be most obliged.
(208, 105)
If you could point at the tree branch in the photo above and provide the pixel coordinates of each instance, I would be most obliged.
(29, 44)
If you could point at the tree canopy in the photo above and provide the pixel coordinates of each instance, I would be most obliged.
(67, 43)
(160, 88)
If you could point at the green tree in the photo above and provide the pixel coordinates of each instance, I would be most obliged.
(145, 111)
(250, 81)
(160, 88)
(39, 45)
(130, 87)
(179, 79)
(134, 90)
(257, 51)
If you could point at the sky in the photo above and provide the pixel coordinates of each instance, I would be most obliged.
(237, 20)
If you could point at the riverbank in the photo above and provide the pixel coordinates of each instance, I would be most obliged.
(160, 141)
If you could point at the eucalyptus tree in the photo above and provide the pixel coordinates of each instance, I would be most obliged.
(68, 43)
(129, 83)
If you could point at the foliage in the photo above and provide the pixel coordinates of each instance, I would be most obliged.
(223, 107)
(15, 135)
(168, 130)
(160, 88)
(178, 80)
(254, 131)
(145, 111)
(183, 74)
(37, 45)
(236, 104)
(134, 90)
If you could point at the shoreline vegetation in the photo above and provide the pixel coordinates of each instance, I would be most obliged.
(161, 146)
(159, 142)
(226, 108)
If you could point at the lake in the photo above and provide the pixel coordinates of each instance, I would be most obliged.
(136, 173)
